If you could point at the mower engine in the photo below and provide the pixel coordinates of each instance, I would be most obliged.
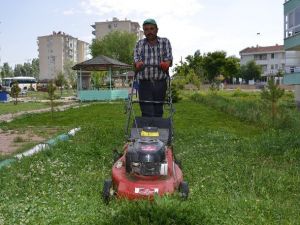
(146, 157)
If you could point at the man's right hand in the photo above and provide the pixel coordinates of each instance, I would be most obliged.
(139, 65)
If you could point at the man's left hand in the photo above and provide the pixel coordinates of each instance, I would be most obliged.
(164, 66)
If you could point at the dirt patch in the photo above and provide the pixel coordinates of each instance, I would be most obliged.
(12, 140)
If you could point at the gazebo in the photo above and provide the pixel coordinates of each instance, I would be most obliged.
(99, 63)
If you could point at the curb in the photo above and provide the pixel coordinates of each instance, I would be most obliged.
(40, 147)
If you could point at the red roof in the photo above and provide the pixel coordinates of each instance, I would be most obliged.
(274, 48)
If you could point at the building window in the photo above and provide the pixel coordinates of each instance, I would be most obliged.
(109, 26)
(292, 22)
(264, 68)
(260, 57)
(272, 67)
(272, 55)
(115, 24)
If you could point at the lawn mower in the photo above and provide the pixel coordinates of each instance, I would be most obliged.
(147, 165)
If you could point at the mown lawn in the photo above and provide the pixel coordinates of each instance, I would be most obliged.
(238, 173)
(10, 107)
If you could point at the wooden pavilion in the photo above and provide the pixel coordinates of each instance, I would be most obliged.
(99, 63)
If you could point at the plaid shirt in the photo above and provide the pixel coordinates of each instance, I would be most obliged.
(153, 55)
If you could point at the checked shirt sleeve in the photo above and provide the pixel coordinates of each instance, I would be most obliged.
(168, 51)
(137, 55)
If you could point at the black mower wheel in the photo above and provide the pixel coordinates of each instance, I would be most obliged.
(107, 191)
(184, 190)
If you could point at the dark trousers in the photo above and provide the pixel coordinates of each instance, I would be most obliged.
(152, 91)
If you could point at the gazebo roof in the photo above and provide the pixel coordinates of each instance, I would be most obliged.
(99, 63)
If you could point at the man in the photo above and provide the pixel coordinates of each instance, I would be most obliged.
(152, 58)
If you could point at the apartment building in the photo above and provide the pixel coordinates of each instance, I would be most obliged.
(270, 58)
(292, 45)
(56, 49)
(103, 28)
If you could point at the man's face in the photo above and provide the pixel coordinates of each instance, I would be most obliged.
(150, 31)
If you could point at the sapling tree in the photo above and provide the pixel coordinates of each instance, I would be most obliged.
(60, 81)
(272, 93)
(51, 94)
(15, 91)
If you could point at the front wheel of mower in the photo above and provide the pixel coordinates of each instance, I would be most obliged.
(184, 190)
(107, 191)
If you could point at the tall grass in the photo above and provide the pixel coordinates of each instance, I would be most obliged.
(250, 108)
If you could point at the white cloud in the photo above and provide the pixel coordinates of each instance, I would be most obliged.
(155, 8)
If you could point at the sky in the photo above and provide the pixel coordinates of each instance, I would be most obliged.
(190, 25)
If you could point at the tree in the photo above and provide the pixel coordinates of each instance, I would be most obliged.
(6, 70)
(35, 67)
(27, 69)
(192, 78)
(250, 71)
(117, 45)
(195, 63)
(60, 81)
(272, 93)
(213, 64)
(232, 67)
(98, 78)
(18, 70)
(51, 94)
(15, 91)
(70, 74)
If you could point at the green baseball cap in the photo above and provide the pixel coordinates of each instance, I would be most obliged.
(150, 21)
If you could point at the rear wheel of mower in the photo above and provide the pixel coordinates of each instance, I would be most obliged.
(107, 191)
(184, 190)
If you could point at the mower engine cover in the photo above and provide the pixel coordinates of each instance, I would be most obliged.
(146, 157)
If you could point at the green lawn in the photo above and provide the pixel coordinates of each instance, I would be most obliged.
(39, 95)
(238, 173)
(10, 107)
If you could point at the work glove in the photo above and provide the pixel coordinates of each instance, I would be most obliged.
(139, 65)
(164, 66)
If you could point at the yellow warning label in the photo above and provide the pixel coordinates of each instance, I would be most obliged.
(149, 134)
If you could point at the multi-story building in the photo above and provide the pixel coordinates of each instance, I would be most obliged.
(56, 50)
(103, 28)
(270, 58)
(292, 45)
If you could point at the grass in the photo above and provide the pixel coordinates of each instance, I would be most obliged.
(238, 173)
(250, 107)
(10, 107)
(21, 106)
(39, 95)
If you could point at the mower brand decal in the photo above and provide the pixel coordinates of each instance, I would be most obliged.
(149, 148)
(146, 191)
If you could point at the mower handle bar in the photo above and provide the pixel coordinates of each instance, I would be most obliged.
(154, 102)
